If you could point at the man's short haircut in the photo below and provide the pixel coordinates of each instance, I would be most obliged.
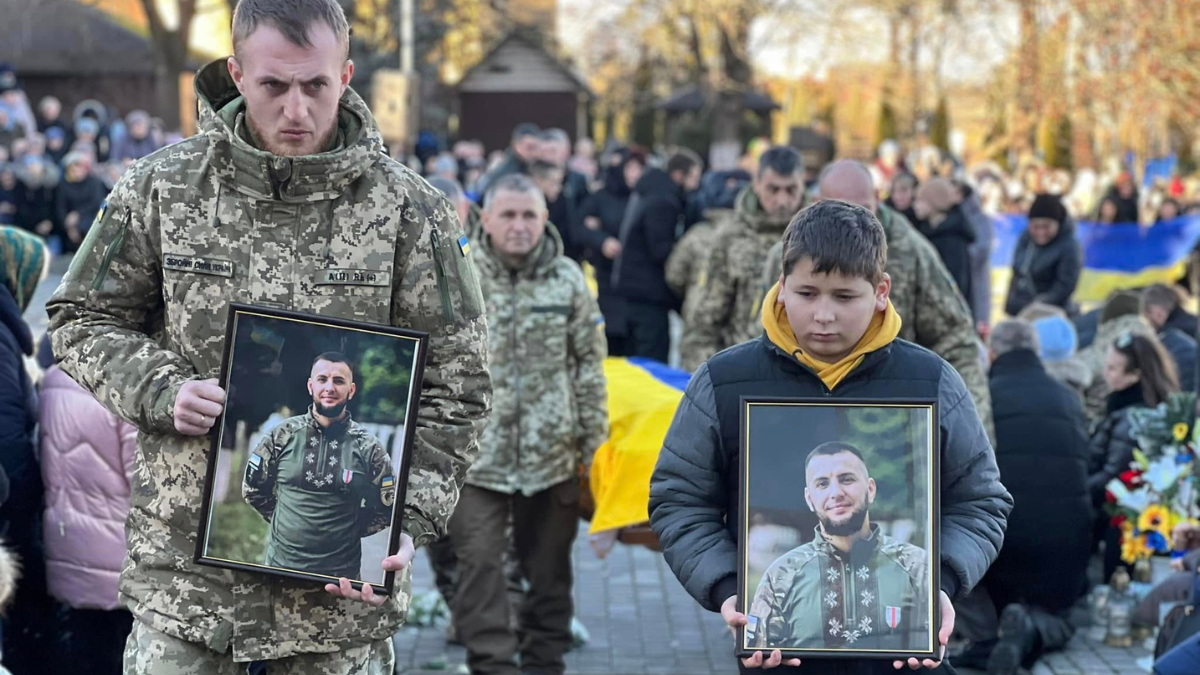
(783, 160)
(1013, 334)
(513, 182)
(556, 136)
(525, 130)
(683, 160)
(833, 448)
(1041, 310)
(1160, 295)
(838, 237)
(1119, 304)
(448, 187)
(542, 169)
(833, 166)
(293, 18)
(334, 357)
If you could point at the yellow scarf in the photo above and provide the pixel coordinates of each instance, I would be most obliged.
(884, 328)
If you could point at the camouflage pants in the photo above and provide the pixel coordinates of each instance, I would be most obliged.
(149, 652)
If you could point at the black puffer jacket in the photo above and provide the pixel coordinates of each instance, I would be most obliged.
(1042, 452)
(651, 226)
(953, 238)
(1112, 444)
(1182, 348)
(607, 206)
(694, 493)
(1047, 273)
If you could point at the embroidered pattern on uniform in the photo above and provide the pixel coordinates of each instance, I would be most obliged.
(332, 462)
(864, 625)
(835, 627)
(867, 598)
(832, 574)
(831, 598)
(314, 441)
(310, 458)
(863, 573)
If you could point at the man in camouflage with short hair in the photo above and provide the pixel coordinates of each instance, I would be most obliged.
(285, 199)
(549, 417)
(732, 293)
(851, 587)
(321, 480)
(935, 314)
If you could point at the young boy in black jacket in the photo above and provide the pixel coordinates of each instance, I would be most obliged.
(830, 330)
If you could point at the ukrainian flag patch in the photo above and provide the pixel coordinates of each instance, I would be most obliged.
(388, 482)
(255, 460)
(464, 245)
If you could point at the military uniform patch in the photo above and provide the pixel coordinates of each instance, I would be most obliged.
(388, 491)
(255, 460)
(464, 245)
(100, 213)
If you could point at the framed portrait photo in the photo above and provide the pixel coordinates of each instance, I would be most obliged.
(310, 458)
(838, 538)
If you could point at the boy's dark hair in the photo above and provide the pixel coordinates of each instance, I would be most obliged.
(1119, 304)
(783, 160)
(293, 18)
(526, 129)
(833, 448)
(683, 160)
(335, 357)
(1160, 295)
(838, 237)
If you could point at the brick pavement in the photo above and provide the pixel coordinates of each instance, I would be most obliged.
(642, 622)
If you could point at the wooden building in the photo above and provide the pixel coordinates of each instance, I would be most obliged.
(520, 81)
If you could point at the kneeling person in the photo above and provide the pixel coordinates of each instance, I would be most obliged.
(322, 481)
(852, 586)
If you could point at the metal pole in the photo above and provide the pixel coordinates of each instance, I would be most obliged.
(406, 36)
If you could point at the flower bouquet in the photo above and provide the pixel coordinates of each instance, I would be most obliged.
(1160, 489)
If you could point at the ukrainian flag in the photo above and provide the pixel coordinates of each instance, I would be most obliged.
(642, 398)
(1115, 257)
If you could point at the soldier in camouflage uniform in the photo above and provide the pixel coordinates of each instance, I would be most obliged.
(285, 199)
(549, 416)
(685, 272)
(935, 314)
(322, 481)
(731, 293)
(852, 587)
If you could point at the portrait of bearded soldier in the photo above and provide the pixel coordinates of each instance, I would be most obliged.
(852, 587)
(322, 481)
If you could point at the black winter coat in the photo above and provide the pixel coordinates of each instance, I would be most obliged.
(1047, 273)
(953, 238)
(84, 198)
(1182, 349)
(654, 218)
(1112, 443)
(1042, 452)
(607, 206)
(1180, 319)
(18, 413)
(35, 205)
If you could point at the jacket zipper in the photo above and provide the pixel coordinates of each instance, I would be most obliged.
(516, 305)
(439, 265)
(117, 243)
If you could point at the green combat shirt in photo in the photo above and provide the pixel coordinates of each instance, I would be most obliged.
(817, 597)
(322, 490)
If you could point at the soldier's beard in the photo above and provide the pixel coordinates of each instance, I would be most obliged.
(332, 412)
(851, 525)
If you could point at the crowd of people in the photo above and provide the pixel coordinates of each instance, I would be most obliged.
(579, 254)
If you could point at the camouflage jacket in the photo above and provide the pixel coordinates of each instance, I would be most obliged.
(732, 290)
(550, 408)
(322, 490)
(1095, 397)
(818, 597)
(932, 309)
(685, 271)
(212, 220)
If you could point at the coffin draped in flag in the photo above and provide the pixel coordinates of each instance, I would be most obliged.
(642, 398)
(1115, 257)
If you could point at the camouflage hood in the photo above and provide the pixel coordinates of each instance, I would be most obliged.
(538, 263)
(309, 178)
(750, 214)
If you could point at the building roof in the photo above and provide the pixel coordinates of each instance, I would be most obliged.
(44, 37)
(690, 99)
(521, 64)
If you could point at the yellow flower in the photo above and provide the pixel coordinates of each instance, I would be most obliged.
(1134, 549)
(1180, 430)
(1156, 518)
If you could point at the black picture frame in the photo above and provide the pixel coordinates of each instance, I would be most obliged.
(751, 506)
(239, 313)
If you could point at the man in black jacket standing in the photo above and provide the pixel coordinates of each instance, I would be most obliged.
(653, 221)
(1018, 612)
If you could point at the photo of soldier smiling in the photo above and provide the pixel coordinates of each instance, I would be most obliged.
(322, 481)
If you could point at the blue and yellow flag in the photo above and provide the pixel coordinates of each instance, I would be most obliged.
(1115, 257)
(642, 397)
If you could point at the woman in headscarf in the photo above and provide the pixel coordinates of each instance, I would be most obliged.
(27, 625)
